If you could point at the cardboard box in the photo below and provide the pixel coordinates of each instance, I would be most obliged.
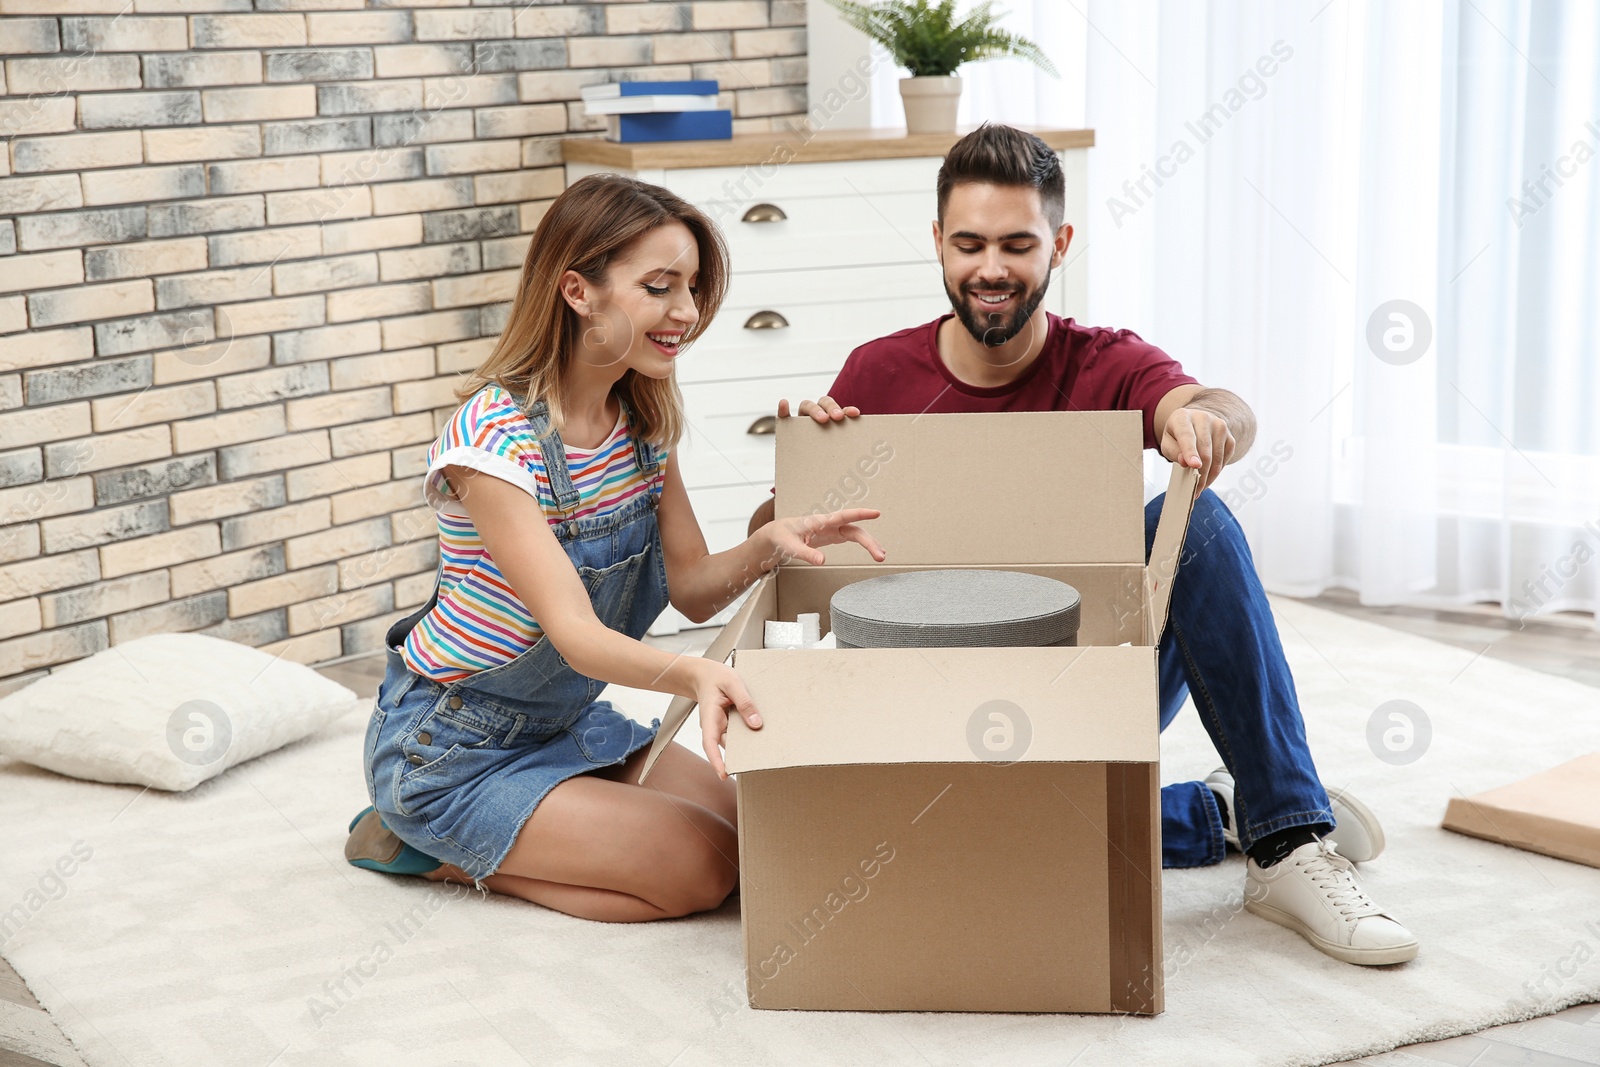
(1554, 812)
(958, 829)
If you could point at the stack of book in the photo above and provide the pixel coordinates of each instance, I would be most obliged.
(660, 111)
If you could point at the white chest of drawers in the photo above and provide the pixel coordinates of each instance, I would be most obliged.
(828, 251)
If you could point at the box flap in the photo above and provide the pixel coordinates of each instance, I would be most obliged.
(983, 487)
(834, 707)
(1167, 547)
(745, 630)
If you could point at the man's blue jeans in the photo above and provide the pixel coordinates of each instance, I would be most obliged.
(1222, 645)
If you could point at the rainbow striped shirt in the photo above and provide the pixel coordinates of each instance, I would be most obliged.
(479, 622)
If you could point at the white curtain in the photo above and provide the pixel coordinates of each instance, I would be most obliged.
(1380, 224)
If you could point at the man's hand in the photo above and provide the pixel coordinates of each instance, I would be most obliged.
(825, 410)
(1194, 437)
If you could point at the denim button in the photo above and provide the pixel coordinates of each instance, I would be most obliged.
(424, 738)
(416, 759)
(455, 702)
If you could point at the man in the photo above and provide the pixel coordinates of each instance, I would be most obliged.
(999, 234)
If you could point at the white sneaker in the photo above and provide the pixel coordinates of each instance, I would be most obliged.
(1313, 891)
(1358, 834)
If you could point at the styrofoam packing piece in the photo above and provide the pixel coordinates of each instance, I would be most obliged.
(782, 635)
(802, 633)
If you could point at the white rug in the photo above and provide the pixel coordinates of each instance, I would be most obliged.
(223, 926)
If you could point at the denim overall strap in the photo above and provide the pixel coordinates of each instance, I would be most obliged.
(626, 599)
(644, 453)
(554, 454)
(619, 559)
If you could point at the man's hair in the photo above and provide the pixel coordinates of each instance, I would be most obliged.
(1005, 155)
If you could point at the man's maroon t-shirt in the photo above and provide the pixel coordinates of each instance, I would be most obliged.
(1082, 368)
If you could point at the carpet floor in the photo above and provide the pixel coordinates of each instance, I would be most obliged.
(222, 926)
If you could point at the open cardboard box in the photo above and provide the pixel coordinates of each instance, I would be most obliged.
(972, 829)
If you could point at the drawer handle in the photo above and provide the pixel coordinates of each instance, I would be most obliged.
(764, 213)
(766, 320)
(765, 424)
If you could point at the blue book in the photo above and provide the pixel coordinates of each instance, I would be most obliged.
(671, 126)
(616, 89)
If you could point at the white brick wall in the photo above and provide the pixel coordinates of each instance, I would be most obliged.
(246, 249)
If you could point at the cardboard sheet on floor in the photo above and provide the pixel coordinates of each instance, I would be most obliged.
(1554, 812)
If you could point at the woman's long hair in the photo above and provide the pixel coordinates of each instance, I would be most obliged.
(587, 227)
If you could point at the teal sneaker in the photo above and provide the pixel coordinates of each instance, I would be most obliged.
(376, 847)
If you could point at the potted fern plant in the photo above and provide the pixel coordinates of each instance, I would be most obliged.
(928, 39)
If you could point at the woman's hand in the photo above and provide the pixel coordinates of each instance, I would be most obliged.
(802, 536)
(718, 688)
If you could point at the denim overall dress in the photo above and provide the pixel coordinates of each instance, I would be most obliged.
(456, 768)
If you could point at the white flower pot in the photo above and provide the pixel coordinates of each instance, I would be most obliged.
(931, 103)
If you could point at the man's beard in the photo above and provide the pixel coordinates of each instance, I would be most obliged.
(994, 330)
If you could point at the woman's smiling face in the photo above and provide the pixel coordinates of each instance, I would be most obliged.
(637, 319)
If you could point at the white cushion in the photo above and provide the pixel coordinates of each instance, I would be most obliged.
(168, 710)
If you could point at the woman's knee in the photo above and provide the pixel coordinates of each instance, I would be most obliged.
(704, 870)
(705, 890)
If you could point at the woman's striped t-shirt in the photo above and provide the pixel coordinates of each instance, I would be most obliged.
(479, 622)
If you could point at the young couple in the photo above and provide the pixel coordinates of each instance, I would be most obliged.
(564, 529)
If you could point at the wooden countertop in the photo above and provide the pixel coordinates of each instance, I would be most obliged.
(753, 148)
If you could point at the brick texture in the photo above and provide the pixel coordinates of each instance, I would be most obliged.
(247, 248)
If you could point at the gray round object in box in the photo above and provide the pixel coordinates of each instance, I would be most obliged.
(944, 608)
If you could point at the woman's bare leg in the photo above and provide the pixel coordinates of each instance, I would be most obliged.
(685, 774)
(600, 846)
(585, 902)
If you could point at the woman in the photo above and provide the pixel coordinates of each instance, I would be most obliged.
(564, 531)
